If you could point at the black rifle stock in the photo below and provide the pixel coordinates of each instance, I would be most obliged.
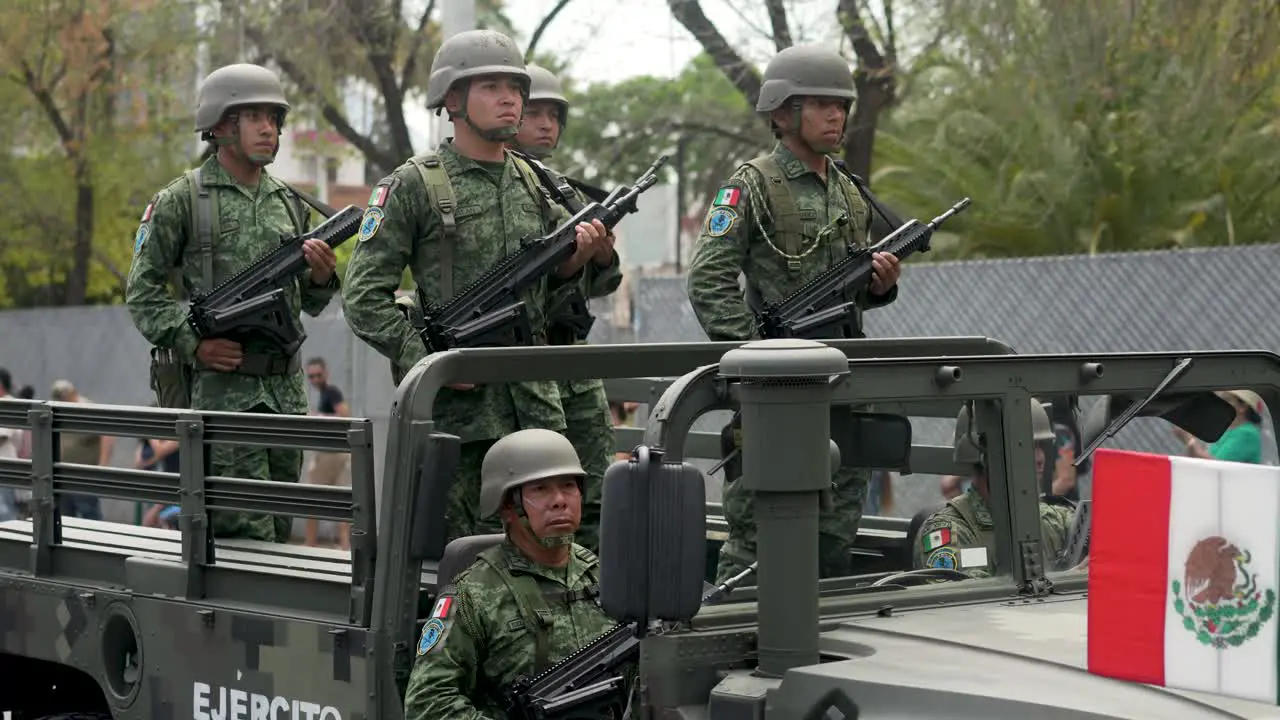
(587, 685)
(819, 310)
(252, 302)
(489, 311)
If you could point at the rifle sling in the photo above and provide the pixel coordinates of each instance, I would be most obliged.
(889, 216)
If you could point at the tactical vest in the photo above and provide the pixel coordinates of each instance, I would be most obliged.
(440, 194)
(987, 536)
(534, 603)
(788, 231)
(205, 221)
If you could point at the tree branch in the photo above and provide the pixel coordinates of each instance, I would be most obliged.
(706, 129)
(870, 59)
(542, 27)
(415, 47)
(386, 161)
(743, 76)
(379, 40)
(778, 21)
(49, 106)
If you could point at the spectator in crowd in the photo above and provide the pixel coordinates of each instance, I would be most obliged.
(328, 468)
(161, 456)
(880, 494)
(624, 415)
(10, 439)
(1242, 441)
(81, 449)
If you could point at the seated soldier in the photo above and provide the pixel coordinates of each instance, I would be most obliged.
(524, 604)
(961, 535)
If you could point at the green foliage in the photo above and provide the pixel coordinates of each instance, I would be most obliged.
(1111, 126)
(617, 130)
(94, 105)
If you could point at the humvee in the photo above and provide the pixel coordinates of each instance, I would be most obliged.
(101, 620)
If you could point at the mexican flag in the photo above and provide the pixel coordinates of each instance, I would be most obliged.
(1183, 573)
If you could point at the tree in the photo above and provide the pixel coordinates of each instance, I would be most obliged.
(1117, 126)
(875, 78)
(89, 85)
(331, 51)
(699, 119)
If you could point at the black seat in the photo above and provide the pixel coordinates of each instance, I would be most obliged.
(461, 553)
(913, 529)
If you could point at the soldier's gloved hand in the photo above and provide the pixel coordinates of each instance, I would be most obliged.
(320, 259)
(885, 268)
(219, 354)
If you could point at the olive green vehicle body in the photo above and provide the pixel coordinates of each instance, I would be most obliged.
(139, 623)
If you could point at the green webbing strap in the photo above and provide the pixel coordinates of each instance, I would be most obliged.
(204, 205)
(532, 607)
(440, 194)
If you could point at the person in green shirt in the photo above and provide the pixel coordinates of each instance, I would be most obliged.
(1242, 441)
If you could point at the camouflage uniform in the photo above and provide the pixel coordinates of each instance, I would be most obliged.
(586, 408)
(494, 207)
(965, 521)
(506, 616)
(250, 222)
(781, 225)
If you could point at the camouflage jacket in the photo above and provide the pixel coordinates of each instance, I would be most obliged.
(250, 223)
(739, 235)
(484, 639)
(950, 536)
(494, 211)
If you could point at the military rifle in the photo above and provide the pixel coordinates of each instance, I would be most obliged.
(252, 303)
(820, 309)
(587, 685)
(489, 311)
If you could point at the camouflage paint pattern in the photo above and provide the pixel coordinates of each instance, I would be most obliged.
(495, 210)
(486, 642)
(746, 243)
(961, 533)
(251, 222)
(590, 429)
(229, 664)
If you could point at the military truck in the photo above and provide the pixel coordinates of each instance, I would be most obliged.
(100, 620)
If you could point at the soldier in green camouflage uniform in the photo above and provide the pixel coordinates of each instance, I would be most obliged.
(240, 112)
(951, 536)
(782, 219)
(525, 604)
(450, 216)
(586, 409)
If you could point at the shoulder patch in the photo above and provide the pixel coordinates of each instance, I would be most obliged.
(140, 239)
(936, 539)
(944, 557)
(719, 221)
(372, 221)
(432, 634)
(382, 191)
(727, 197)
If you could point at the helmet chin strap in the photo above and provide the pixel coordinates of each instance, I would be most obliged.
(551, 541)
(537, 152)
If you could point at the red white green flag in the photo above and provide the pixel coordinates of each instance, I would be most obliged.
(1183, 570)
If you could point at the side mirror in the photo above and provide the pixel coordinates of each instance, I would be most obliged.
(652, 539)
(429, 530)
(873, 440)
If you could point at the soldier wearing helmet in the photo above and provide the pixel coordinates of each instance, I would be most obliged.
(210, 223)
(525, 604)
(961, 535)
(586, 408)
(449, 216)
(781, 220)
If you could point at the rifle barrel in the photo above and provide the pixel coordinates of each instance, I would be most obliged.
(951, 211)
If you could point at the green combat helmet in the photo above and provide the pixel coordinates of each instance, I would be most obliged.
(233, 86)
(524, 457)
(804, 70)
(471, 54)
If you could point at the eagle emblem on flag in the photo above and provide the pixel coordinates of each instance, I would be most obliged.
(1218, 598)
